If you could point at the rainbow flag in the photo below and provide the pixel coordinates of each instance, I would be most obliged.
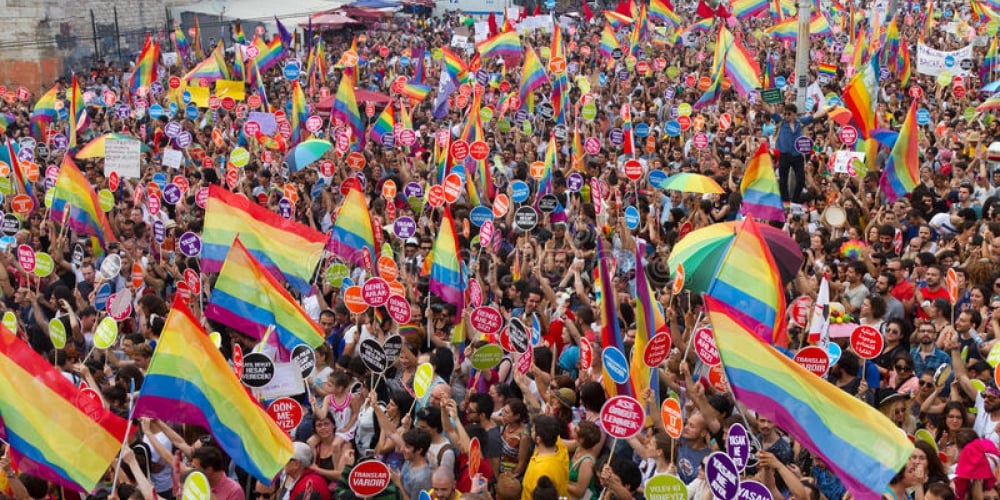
(628, 147)
(747, 280)
(828, 71)
(145, 65)
(268, 54)
(249, 299)
(239, 64)
(577, 153)
(989, 65)
(75, 202)
(21, 184)
(353, 234)
(551, 163)
(860, 95)
(532, 74)
(788, 30)
(415, 91)
(282, 246)
(212, 68)
(76, 108)
(859, 445)
(714, 91)
(54, 432)
(748, 8)
(609, 42)
(506, 43)
(44, 112)
(6, 120)
(903, 66)
(743, 70)
(261, 88)
(703, 25)
(617, 19)
(188, 381)
(649, 321)
(418, 66)
(446, 280)
(238, 33)
(384, 124)
(611, 333)
(300, 113)
(345, 108)
(455, 66)
(902, 170)
(181, 41)
(759, 188)
(658, 9)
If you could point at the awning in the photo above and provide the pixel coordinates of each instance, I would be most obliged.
(329, 20)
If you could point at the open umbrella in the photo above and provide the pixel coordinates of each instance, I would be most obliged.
(991, 104)
(305, 153)
(690, 183)
(701, 251)
(95, 148)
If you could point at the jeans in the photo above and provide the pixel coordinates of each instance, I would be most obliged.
(796, 163)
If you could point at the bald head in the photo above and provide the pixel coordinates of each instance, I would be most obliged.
(439, 394)
(443, 480)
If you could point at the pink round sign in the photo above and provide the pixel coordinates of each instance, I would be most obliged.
(399, 308)
(486, 320)
(704, 346)
(375, 291)
(622, 417)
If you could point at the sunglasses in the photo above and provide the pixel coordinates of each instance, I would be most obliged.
(926, 383)
(258, 494)
(900, 368)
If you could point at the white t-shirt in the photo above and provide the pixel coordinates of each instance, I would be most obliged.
(984, 425)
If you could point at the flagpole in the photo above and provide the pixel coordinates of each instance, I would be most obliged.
(802, 55)
(128, 430)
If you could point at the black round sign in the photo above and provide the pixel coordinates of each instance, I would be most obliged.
(617, 54)
(305, 358)
(525, 219)
(546, 111)
(78, 255)
(560, 132)
(965, 64)
(258, 369)
(11, 225)
(518, 335)
(392, 347)
(548, 203)
(373, 355)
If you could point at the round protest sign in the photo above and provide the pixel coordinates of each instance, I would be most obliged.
(486, 320)
(867, 341)
(57, 333)
(704, 346)
(670, 411)
(106, 333)
(10, 321)
(392, 346)
(524, 361)
(615, 364)
(586, 354)
(738, 445)
(722, 475)
(398, 308)
(487, 357)
(354, 300)
(622, 417)
(286, 412)
(422, 379)
(195, 487)
(814, 359)
(665, 487)
(305, 357)
(26, 258)
(258, 369)
(373, 355)
(368, 478)
(375, 292)
(657, 350)
(475, 457)
(44, 265)
(518, 334)
(753, 490)
(525, 218)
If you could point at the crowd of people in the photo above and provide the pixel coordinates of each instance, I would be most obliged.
(539, 431)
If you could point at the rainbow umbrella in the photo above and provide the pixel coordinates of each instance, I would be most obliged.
(991, 104)
(690, 183)
(701, 251)
(95, 148)
(305, 153)
(5, 121)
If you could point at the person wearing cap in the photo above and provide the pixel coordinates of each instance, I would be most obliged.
(987, 402)
(298, 479)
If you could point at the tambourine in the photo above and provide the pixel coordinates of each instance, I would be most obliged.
(835, 216)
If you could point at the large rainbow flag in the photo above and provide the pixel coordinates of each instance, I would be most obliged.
(747, 279)
(858, 444)
(611, 333)
(284, 247)
(55, 433)
(345, 108)
(788, 30)
(212, 68)
(860, 96)
(506, 43)
(75, 203)
(742, 69)
(649, 322)
(248, 298)
(759, 188)
(353, 234)
(188, 381)
(446, 280)
(902, 170)
(145, 66)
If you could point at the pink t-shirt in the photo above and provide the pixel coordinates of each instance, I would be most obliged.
(227, 489)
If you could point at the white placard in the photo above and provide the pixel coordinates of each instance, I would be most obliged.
(169, 59)
(122, 156)
(933, 62)
(287, 381)
(842, 161)
(172, 158)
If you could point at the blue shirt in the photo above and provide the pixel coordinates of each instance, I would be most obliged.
(789, 132)
(922, 365)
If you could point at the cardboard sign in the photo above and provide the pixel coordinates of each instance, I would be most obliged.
(622, 417)
(368, 478)
(122, 156)
(286, 412)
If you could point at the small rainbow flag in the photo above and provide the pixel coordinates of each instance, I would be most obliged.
(747, 280)
(859, 445)
(145, 66)
(446, 280)
(261, 88)
(268, 54)
(611, 333)
(902, 170)
(188, 381)
(742, 69)
(609, 42)
(299, 114)
(628, 147)
(827, 70)
(181, 41)
(384, 124)
(455, 66)
(353, 234)
(658, 9)
(44, 112)
(285, 247)
(345, 108)
(6, 120)
(247, 298)
(415, 92)
(55, 433)
(532, 74)
(759, 187)
(989, 65)
(748, 8)
(788, 30)
(649, 322)
(212, 68)
(506, 43)
(238, 33)
(75, 202)
(76, 109)
(239, 64)
(859, 97)
(617, 19)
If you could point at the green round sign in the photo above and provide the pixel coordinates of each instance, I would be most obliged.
(665, 487)
(5, 187)
(216, 339)
(106, 199)
(944, 78)
(196, 487)
(486, 114)
(387, 251)
(970, 114)
(503, 126)
(545, 52)
(10, 321)
(106, 333)
(684, 109)
(589, 111)
(49, 196)
(336, 273)
(239, 157)
(526, 127)
(44, 265)
(57, 333)
(422, 379)
(673, 71)
(487, 357)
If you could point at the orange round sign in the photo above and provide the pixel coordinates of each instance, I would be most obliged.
(389, 189)
(672, 420)
(537, 170)
(500, 205)
(22, 204)
(704, 83)
(356, 160)
(557, 65)
(354, 300)
(387, 268)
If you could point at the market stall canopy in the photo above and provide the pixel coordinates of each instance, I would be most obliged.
(329, 20)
